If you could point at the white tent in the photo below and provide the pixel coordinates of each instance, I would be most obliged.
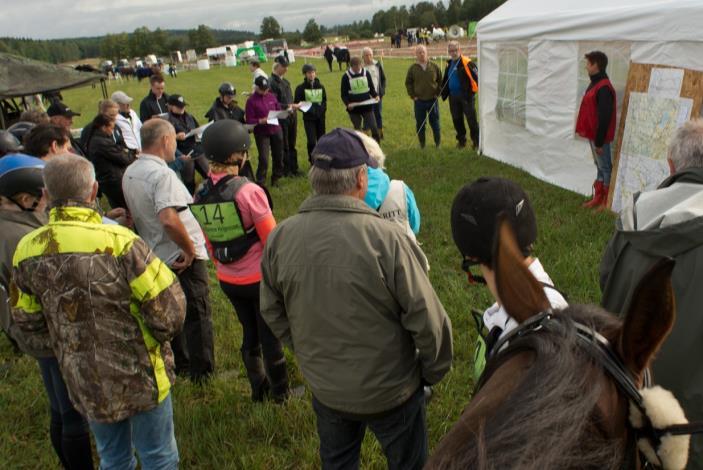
(532, 75)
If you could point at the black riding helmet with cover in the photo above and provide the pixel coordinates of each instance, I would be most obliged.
(223, 138)
(475, 212)
(227, 89)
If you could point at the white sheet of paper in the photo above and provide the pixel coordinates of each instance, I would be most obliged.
(198, 131)
(363, 103)
(665, 83)
(272, 122)
(305, 106)
(277, 115)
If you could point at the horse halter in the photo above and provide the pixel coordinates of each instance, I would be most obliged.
(603, 354)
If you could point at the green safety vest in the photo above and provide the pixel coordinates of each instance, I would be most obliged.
(219, 217)
(313, 95)
(359, 85)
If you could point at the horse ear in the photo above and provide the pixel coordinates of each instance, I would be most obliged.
(649, 319)
(518, 290)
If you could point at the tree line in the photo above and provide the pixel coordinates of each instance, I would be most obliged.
(144, 41)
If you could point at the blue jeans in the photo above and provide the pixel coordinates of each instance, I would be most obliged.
(402, 433)
(427, 109)
(604, 164)
(150, 433)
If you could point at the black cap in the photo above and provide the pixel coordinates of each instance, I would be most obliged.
(176, 100)
(344, 149)
(282, 60)
(261, 82)
(227, 89)
(475, 212)
(59, 109)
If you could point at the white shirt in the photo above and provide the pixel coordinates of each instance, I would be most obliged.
(259, 73)
(130, 130)
(375, 75)
(496, 315)
(149, 186)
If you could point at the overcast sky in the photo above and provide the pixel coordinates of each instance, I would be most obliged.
(45, 19)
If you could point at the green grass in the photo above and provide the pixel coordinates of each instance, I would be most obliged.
(217, 426)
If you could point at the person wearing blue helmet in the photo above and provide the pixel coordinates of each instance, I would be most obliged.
(22, 207)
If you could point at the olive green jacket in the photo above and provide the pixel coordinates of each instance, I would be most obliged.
(348, 292)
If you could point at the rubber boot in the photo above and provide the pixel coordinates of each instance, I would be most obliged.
(256, 373)
(597, 196)
(604, 200)
(278, 377)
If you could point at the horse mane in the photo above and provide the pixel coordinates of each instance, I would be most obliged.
(547, 420)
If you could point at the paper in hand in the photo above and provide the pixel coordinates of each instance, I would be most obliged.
(272, 121)
(198, 131)
(277, 115)
(304, 106)
(363, 103)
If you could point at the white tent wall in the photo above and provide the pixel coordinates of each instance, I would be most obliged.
(533, 128)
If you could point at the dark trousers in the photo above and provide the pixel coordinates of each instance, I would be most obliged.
(269, 144)
(329, 63)
(289, 131)
(313, 131)
(67, 428)
(245, 300)
(427, 110)
(402, 433)
(193, 348)
(113, 192)
(198, 163)
(463, 107)
(369, 123)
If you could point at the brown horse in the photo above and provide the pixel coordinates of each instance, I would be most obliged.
(543, 402)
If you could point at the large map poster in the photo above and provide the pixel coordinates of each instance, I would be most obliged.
(650, 124)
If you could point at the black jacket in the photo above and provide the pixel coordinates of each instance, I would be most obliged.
(605, 102)
(109, 158)
(185, 123)
(463, 79)
(150, 106)
(317, 111)
(281, 88)
(219, 111)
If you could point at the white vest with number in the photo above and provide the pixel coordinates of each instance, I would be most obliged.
(395, 207)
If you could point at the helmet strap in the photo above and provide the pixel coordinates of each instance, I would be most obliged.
(25, 209)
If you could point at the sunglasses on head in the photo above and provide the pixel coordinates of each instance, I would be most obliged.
(466, 267)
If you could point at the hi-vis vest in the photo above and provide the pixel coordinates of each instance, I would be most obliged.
(395, 209)
(217, 213)
(358, 85)
(313, 95)
(469, 67)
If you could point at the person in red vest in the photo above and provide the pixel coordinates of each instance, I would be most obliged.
(596, 122)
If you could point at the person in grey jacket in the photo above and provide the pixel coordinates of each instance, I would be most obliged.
(358, 310)
(667, 222)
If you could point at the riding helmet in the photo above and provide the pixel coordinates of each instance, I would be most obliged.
(223, 138)
(227, 89)
(475, 211)
(308, 68)
(20, 129)
(8, 143)
(20, 173)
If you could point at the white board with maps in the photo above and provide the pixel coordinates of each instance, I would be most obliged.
(650, 124)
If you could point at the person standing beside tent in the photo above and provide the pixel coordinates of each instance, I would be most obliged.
(312, 91)
(378, 77)
(62, 115)
(460, 85)
(423, 83)
(155, 102)
(596, 122)
(357, 87)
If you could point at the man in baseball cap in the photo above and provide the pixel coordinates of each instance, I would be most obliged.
(475, 212)
(338, 274)
(62, 115)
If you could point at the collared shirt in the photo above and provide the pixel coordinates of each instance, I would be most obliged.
(130, 127)
(150, 186)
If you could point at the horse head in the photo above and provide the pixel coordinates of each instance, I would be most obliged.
(546, 398)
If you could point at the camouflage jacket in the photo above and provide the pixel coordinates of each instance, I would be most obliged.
(107, 306)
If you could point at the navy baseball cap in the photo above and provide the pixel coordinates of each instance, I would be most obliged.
(60, 109)
(340, 149)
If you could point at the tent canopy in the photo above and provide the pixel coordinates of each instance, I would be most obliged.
(596, 20)
(20, 76)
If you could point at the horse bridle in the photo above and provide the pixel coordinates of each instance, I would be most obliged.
(603, 354)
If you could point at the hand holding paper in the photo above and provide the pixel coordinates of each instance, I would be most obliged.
(304, 106)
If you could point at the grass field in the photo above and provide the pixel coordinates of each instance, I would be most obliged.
(216, 425)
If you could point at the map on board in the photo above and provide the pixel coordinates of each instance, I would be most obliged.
(650, 124)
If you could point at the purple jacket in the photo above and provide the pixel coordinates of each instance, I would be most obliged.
(258, 106)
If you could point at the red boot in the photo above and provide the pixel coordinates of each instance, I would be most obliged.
(597, 196)
(604, 202)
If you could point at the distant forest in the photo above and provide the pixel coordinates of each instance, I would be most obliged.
(144, 41)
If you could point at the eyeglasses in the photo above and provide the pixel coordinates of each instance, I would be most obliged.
(466, 267)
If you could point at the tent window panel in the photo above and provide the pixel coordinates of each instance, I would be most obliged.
(512, 84)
